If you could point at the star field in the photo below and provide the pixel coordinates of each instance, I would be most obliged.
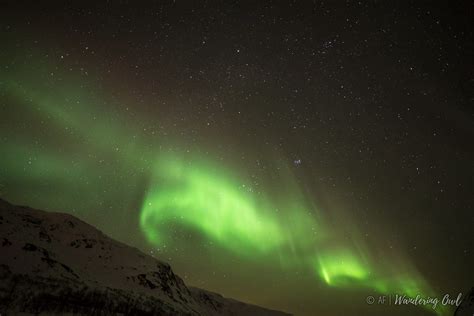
(298, 156)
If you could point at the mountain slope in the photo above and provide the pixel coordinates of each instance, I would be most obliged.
(55, 263)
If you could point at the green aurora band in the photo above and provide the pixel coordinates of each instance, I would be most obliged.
(193, 192)
(200, 198)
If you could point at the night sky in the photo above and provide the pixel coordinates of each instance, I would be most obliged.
(298, 156)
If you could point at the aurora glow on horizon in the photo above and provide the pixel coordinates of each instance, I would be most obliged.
(286, 196)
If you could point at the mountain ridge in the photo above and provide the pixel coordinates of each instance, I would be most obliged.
(56, 263)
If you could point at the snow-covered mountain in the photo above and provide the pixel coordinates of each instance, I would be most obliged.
(54, 263)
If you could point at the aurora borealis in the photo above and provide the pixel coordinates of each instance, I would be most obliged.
(302, 166)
